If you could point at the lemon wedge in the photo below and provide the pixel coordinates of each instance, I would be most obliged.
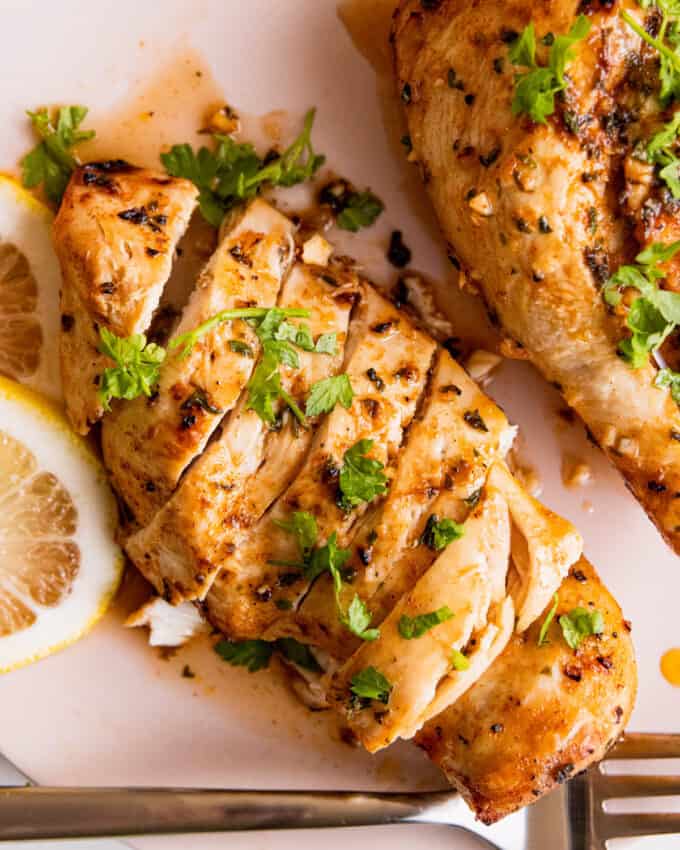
(29, 291)
(59, 565)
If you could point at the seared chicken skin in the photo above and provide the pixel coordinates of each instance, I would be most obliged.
(115, 237)
(540, 714)
(539, 215)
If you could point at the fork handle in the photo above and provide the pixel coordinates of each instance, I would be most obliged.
(45, 813)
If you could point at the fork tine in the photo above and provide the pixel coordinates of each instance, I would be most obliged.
(644, 746)
(607, 786)
(637, 825)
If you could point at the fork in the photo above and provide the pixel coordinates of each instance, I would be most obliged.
(45, 813)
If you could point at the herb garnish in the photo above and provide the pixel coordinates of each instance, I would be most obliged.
(415, 627)
(669, 71)
(535, 89)
(543, 634)
(361, 478)
(233, 172)
(325, 394)
(371, 684)
(316, 560)
(440, 532)
(655, 312)
(580, 623)
(459, 661)
(669, 378)
(353, 210)
(256, 654)
(137, 366)
(51, 162)
(661, 151)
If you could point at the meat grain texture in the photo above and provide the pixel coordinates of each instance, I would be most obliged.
(539, 215)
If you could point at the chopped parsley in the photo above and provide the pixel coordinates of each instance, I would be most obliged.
(415, 627)
(361, 478)
(256, 654)
(579, 624)
(661, 151)
(535, 88)
(666, 42)
(234, 172)
(137, 368)
(264, 389)
(543, 633)
(669, 378)
(315, 560)
(325, 394)
(655, 312)
(353, 210)
(459, 661)
(51, 162)
(371, 684)
(440, 532)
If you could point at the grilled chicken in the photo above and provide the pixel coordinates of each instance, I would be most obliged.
(148, 443)
(239, 475)
(539, 215)
(539, 715)
(115, 237)
(387, 362)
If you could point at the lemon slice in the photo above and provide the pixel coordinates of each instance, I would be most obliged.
(59, 565)
(29, 291)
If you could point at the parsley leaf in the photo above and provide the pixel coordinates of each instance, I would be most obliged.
(654, 314)
(439, 533)
(303, 526)
(327, 344)
(671, 379)
(669, 70)
(661, 151)
(137, 366)
(371, 684)
(543, 634)
(51, 162)
(535, 89)
(580, 623)
(298, 653)
(416, 627)
(361, 478)
(253, 654)
(264, 389)
(358, 619)
(325, 394)
(234, 172)
(459, 661)
(361, 209)
(264, 316)
(329, 558)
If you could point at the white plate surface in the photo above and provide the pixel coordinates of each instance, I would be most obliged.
(109, 710)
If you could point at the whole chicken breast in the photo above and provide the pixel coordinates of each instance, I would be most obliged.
(539, 215)
(115, 236)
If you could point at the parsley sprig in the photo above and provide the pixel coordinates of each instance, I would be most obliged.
(666, 42)
(328, 392)
(137, 368)
(439, 533)
(316, 560)
(415, 627)
(256, 654)
(361, 477)
(369, 684)
(655, 312)
(662, 152)
(52, 160)
(535, 88)
(234, 172)
(579, 624)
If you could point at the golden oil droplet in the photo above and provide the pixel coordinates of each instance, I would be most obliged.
(670, 666)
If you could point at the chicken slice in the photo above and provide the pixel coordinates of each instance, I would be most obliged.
(387, 362)
(231, 485)
(539, 714)
(115, 237)
(535, 213)
(442, 452)
(148, 443)
(418, 669)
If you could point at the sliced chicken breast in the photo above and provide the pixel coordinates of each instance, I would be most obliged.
(540, 714)
(231, 485)
(387, 362)
(115, 236)
(539, 215)
(148, 443)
